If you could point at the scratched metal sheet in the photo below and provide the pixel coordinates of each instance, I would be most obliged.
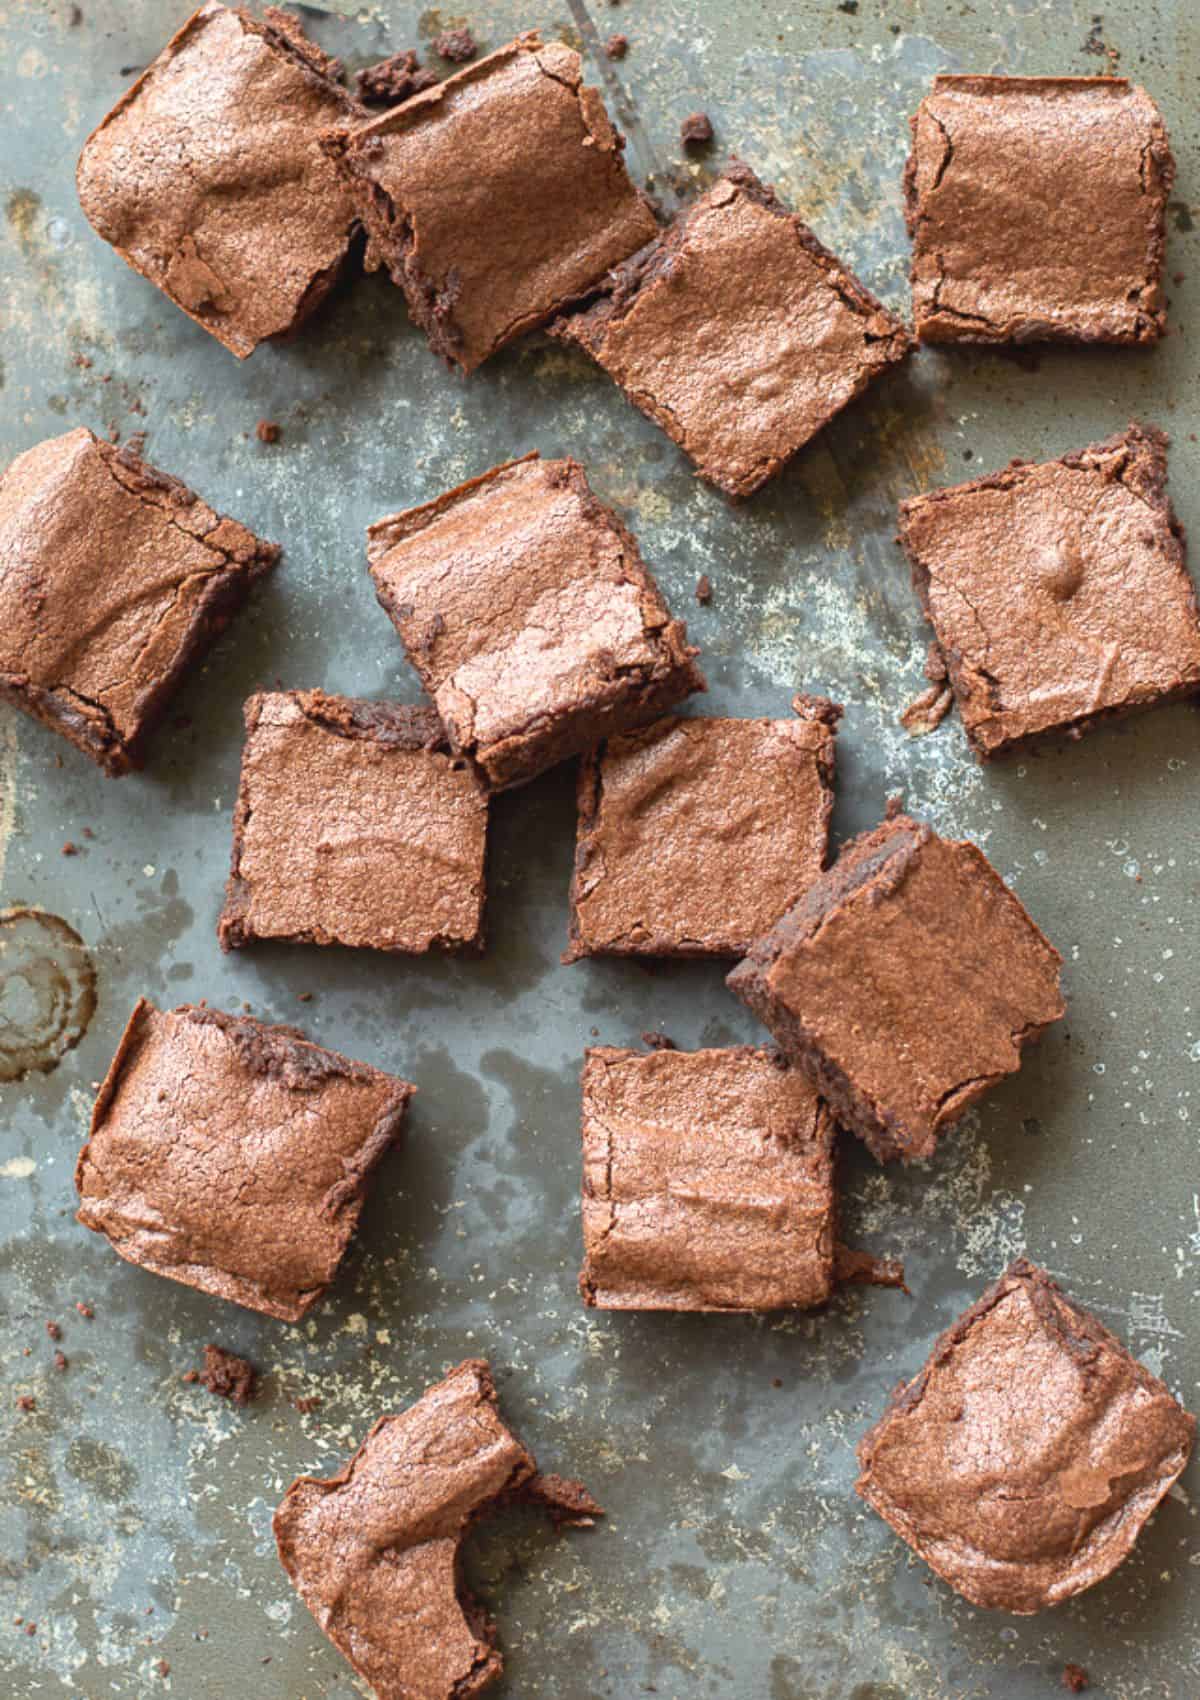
(135, 1509)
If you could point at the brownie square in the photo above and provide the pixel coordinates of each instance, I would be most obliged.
(1092, 612)
(233, 1156)
(114, 579)
(529, 614)
(1025, 1459)
(696, 835)
(707, 1182)
(373, 1551)
(496, 198)
(208, 178)
(1036, 207)
(354, 825)
(738, 333)
(905, 982)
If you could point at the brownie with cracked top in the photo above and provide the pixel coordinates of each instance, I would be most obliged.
(708, 1182)
(233, 1156)
(374, 1551)
(526, 608)
(905, 982)
(114, 580)
(1037, 209)
(1025, 1459)
(1093, 613)
(696, 834)
(496, 198)
(738, 333)
(354, 825)
(208, 176)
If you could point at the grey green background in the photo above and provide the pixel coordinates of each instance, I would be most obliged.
(135, 1509)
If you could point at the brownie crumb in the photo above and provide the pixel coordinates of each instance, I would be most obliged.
(1075, 1678)
(74, 17)
(617, 46)
(190, 1376)
(267, 431)
(163, 1668)
(229, 1376)
(894, 805)
(54, 1331)
(850, 7)
(658, 1042)
(31, 1629)
(84, 1310)
(303, 997)
(696, 131)
(777, 1381)
(455, 45)
(569, 1503)
(704, 590)
(307, 1403)
(26, 1402)
(70, 849)
(60, 1360)
(393, 80)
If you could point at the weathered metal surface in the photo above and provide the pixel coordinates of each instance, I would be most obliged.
(135, 1509)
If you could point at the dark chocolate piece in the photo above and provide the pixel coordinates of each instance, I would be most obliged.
(114, 580)
(696, 835)
(906, 982)
(208, 178)
(354, 825)
(374, 1550)
(529, 614)
(1024, 1460)
(707, 1183)
(233, 1156)
(1036, 207)
(740, 377)
(1092, 613)
(495, 199)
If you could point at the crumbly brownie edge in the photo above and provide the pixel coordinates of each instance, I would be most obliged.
(1146, 460)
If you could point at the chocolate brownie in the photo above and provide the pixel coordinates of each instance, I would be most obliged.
(738, 333)
(696, 835)
(374, 1551)
(707, 1182)
(905, 982)
(529, 614)
(1024, 1460)
(233, 1156)
(228, 1376)
(354, 825)
(208, 178)
(1092, 614)
(496, 198)
(114, 579)
(1036, 207)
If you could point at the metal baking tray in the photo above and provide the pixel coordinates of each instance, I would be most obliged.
(735, 1561)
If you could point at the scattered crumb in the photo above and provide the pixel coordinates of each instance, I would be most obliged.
(777, 1381)
(569, 1503)
(393, 80)
(850, 7)
(704, 590)
(456, 45)
(31, 1629)
(75, 17)
(658, 1042)
(83, 361)
(61, 1361)
(267, 431)
(696, 131)
(88, 833)
(84, 1310)
(54, 1331)
(894, 805)
(228, 1376)
(1075, 1678)
(70, 849)
(303, 997)
(617, 46)
(306, 1404)
(163, 1668)
(26, 1402)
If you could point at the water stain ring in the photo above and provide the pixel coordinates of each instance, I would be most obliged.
(47, 991)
